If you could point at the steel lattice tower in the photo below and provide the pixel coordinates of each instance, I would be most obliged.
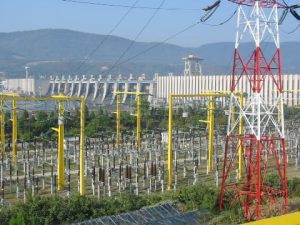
(260, 147)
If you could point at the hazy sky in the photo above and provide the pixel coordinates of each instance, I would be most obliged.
(17, 15)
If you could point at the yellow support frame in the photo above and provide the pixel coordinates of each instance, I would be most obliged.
(211, 124)
(2, 128)
(170, 128)
(14, 124)
(61, 98)
(138, 122)
(82, 141)
(138, 115)
(118, 121)
(60, 147)
(241, 127)
(14, 131)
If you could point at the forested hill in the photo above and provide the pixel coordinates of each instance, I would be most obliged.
(56, 51)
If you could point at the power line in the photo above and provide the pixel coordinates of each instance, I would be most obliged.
(292, 31)
(107, 36)
(128, 6)
(156, 45)
(222, 23)
(139, 33)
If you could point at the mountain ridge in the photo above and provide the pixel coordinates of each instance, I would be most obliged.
(67, 52)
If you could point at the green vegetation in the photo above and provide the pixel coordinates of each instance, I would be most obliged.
(55, 209)
(58, 210)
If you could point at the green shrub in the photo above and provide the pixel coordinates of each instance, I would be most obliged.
(294, 187)
(18, 220)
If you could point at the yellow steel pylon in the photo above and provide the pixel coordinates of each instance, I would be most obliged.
(2, 127)
(61, 98)
(60, 130)
(82, 141)
(170, 126)
(210, 124)
(118, 121)
(14, 131)
(138, 115)
(60, 147)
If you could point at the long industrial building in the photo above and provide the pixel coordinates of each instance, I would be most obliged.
(100, 90)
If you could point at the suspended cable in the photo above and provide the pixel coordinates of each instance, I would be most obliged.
(293, 30)
(224, 22)
(107, 36)
(156, 45)
(294, 13)
(283, 16)
(216, 4)
(291, 9)
(138, 34)
(210, 10)
(128, 6)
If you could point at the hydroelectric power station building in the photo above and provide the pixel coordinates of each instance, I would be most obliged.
(100, 90)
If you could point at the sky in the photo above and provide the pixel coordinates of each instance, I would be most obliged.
(20, 15)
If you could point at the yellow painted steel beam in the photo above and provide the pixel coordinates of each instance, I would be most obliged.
(241, 128)
(61, 98)
(13, 97)
(138, 115)
(14, 131)
(170, 127)
(52, 98)
(210, 94)
(2, 129)
(289, 219)
(138, 122)
(130, 93)
(211, 125)
(118, 115)
(60, 147)
(292, 90)
(5, 94)
(170, 143)
(82, 141)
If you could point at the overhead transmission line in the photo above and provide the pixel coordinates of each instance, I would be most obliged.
(128, 6)
(294, 30)
(138, 34)
(292, 9)
(222, 23)
(210, 10)
(155, 45)
(106, 36)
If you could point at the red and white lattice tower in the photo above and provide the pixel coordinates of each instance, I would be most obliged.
(260, 148)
